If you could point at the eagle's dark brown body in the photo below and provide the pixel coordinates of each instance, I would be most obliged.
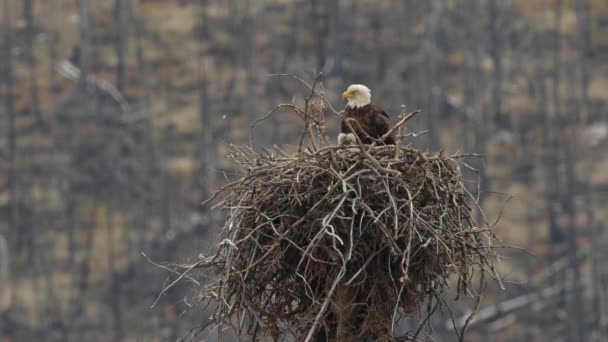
(372, 119)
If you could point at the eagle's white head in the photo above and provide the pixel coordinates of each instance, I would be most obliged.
(357, 95)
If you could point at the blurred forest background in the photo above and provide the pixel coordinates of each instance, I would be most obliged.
(115, 116)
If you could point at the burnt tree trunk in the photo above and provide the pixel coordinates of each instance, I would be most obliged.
(28, 13)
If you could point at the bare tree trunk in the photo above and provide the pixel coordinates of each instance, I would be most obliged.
(430, 77)
(206, 147)
(583, 27)
(79, 272)
(233, 24)
(165, 188)
(166, 184)
(114, 288)
(50, 264)
(81, 97)
(598, 290)
(381, 58)
(496, 52)
(319, 16)
(83, 273)
(83, 47)
(70, 199)
(584, 48)
(121, 15)
(551, 144)
(335, 29)
(594, 228)
(577, 304)
(550, 162)
(471, 77)
(28, 12)
(151, 157)
(15, 234)
(482, 131)
(33, 256)
(5, 286)
(294, 30)
(249, 24)
(9, 83)
(580, 331)
(557, 66)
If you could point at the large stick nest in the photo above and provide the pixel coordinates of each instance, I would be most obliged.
(338, 243)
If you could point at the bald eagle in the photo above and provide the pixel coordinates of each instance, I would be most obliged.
(373, 122)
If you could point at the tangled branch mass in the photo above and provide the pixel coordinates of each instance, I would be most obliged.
(338, 243)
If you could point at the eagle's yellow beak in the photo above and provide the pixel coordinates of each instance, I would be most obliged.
(347, 94)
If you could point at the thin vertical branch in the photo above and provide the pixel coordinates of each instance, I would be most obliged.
(83, 47)
(28, 12)
(121, 14)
